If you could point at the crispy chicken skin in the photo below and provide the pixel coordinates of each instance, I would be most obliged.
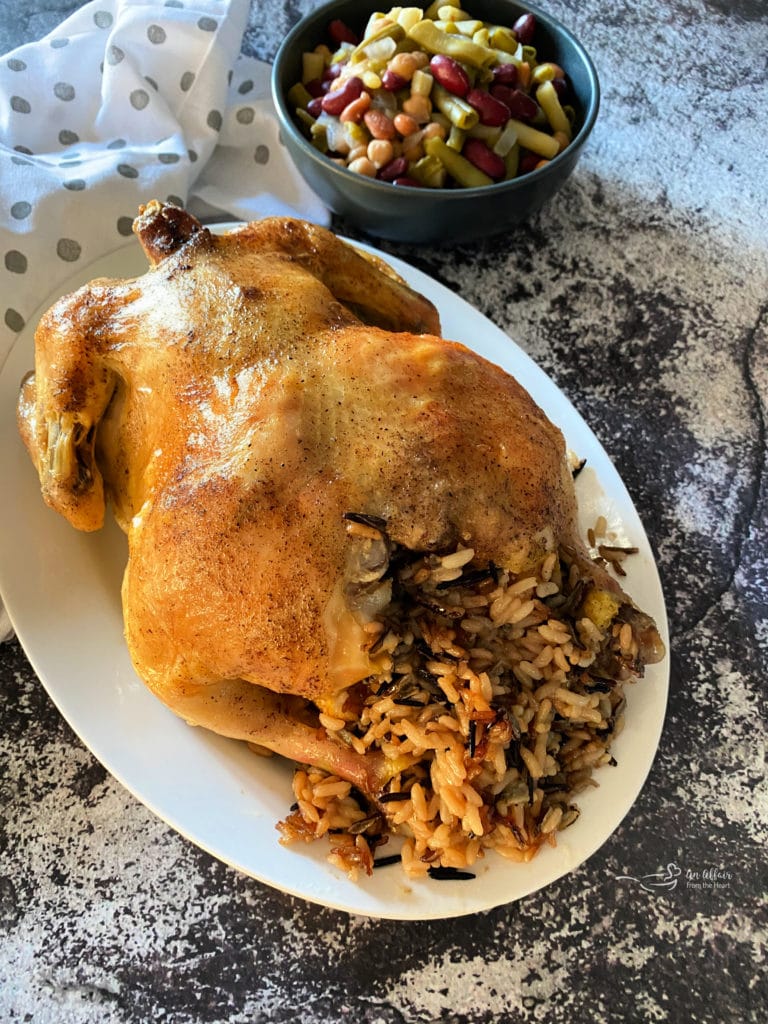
(232, 404)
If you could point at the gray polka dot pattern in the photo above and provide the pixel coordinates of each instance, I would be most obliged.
(103, 19)
(245, 87)
(207, 24)
(68, 250)
(75, 184)
(187, 80)
(60, 43)
(127, 171)
(245, 115)
(139, 99)
(117, 144)
(68, 138)
(16, 262)
(14, 320)
(20, 105)
(115, 55)
(168, 158)
(21, 210)
(214, 120)
(16, 65)
(261, 156)
(64, 91)
(156, 34)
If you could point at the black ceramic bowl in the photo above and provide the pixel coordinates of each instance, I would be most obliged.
(409, 214)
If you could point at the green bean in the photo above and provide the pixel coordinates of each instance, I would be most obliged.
(432, 39)
(429, 171)
(460, 169)
(318, 134)
(387, 30)
(455, 138)
(512, 162)
(298, 96)
(457, 110)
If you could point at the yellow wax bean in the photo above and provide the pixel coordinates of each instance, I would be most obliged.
(502, 38)
(431, 11)
(468, 28)
(549, 102)
(312, 66)
(430, 38)
(460, 169)
(536, 141)
(408, 17)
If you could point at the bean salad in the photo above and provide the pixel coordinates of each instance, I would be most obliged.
(434, 98)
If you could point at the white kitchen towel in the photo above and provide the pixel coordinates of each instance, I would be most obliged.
(127, 101)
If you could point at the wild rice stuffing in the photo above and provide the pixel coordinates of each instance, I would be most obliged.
(496, 700)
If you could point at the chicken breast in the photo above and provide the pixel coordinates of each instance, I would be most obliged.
(234, 405)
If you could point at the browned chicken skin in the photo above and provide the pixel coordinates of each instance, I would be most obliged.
(232, 404)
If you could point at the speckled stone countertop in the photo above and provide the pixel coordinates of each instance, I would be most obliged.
(642, 289)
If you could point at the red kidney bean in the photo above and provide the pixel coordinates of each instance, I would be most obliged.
(315, 106)
(476, 151)
(334, 102)
(331, 72)
(392, 82)
(450, 74)
(492, 111)
(505, 74)
(502, 93)
(528, 162)
(524, 28)
(314, 87)
(393, 170)
(561, 88)
(341, 32)
(521, 105)
(407, 181)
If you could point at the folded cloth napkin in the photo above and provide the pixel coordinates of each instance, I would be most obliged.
(127, 101)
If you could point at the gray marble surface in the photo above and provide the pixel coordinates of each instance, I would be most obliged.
(642, 289)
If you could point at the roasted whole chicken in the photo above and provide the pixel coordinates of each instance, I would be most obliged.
(238, 406)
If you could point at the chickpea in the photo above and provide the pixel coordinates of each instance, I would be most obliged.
(434, 131)
(380, 152)
(404, 65)
(357, 152)
(363, 166)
